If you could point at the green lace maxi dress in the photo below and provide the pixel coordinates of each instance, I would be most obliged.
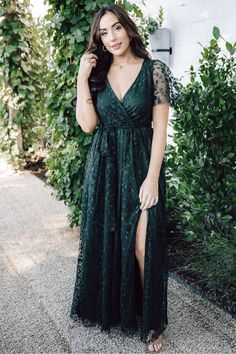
(108, 288)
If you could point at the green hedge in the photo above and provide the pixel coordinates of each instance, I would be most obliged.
(201, 168)
(23, 79)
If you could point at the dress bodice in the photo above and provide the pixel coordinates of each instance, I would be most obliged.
(154, 84)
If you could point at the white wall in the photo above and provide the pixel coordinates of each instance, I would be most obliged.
(190, 22)
(38, 8)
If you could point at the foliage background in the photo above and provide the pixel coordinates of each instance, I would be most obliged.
(23, 80)
(201, 170)
(38, 68)
(68, 28)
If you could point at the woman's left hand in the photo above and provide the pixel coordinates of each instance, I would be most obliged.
(148, 193)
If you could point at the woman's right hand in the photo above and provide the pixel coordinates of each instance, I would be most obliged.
(87, 62)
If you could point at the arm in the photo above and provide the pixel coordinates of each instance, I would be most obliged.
(86, 115)
(165, 92)
(149, 190)
(160, 123)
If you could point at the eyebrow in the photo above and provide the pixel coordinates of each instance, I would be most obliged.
(103, 29)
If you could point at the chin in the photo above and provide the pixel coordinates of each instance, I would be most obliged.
(120, 52)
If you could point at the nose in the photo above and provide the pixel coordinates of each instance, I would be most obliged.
(112, 36)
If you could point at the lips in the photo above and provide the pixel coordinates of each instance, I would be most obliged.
(116, 46)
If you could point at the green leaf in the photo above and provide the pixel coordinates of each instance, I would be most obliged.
(229, 46)
(9, 49)
(128, 6)
(216, 32)
(25, 67)
(79, 36)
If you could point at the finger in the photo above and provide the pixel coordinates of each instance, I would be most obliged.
(155, 200)
(152, 202)
(92, 61)
(149, 203)
(87, 53)
(140, 195)
(88, 58)
(91, 56)
(84, 58)
(145, 201)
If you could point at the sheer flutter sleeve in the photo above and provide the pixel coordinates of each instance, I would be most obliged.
(165, 85)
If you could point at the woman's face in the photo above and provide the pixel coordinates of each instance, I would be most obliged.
(113, 35)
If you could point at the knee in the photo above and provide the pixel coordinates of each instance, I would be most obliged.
(139, 251)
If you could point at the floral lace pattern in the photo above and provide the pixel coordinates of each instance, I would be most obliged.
(166, 86)
(108, 288)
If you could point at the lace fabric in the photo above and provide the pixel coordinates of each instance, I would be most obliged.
(166, 85)
(108, 289)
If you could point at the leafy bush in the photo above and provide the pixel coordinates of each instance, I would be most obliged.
(23, 73)
(154, 23)
(201, 167)
(68, 28)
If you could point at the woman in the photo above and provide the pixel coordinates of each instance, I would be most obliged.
(122, 267)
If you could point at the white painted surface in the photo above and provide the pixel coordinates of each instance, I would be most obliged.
(38, 8)
(160, 40)
(190, 22)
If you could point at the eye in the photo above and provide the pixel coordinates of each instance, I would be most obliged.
(118, 28)
(103, 33)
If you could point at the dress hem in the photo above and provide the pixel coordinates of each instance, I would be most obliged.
(127, 331)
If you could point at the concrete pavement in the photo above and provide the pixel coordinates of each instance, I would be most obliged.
(37, 272)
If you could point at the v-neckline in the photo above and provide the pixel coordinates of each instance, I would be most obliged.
(134, 81)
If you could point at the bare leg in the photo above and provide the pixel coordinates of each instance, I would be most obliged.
(140, 242)
(155, 345)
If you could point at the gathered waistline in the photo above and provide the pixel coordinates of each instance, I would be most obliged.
(110, 126)
(107, 137)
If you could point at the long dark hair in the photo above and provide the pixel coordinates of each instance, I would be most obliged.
(99, 73)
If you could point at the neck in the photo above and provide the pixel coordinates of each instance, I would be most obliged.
(126, 58)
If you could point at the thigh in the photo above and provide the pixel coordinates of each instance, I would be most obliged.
(141, 231)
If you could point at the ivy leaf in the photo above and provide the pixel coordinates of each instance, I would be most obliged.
(9, 49)
(128, 6)
(25, 67)
(79, 36)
